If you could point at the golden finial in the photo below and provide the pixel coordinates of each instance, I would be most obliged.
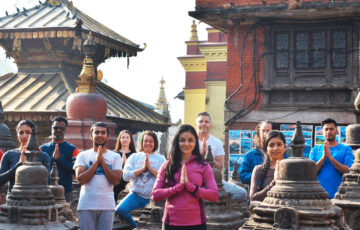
(194, 36)
(88, 79)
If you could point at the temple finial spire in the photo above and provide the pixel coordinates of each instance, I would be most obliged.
(194, 36)
(88, 79)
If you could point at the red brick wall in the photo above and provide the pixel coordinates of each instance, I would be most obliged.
(195, 80)
(192, 49)
(216, 71)
(247, 3)
(236, 36)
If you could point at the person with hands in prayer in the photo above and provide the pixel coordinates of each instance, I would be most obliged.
(264, 176)
(332, 159)
(184, 180)
(141, 170)
(97, 171)
(11, 158)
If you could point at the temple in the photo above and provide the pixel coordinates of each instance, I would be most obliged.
(46, 44)
(286, 60)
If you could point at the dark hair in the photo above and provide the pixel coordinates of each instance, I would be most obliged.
(328, 121)
(61, 119)
(29, 123)
(266, 165)
(118, 142)
(99, 124)
(257, 137)
(153, 135)
(175, 155)
(203, 114)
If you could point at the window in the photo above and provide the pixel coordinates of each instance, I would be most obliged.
(310, 64)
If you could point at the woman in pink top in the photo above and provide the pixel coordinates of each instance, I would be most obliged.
(184, 180)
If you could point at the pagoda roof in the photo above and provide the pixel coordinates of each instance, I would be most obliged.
(48, 92)
(63, 20)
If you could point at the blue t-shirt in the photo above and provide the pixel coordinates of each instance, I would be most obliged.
(329, 177)
(65, 163)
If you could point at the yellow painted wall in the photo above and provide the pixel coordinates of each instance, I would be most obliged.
(215, 97)
(194, 104)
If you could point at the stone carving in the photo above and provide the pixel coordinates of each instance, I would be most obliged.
(239, 205)
(31, 202)
(287, 218)
(348, 195)
(297, 201)
(59, 197)
(220, 214)
(151, 217)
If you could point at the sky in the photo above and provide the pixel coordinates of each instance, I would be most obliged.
(162, 24)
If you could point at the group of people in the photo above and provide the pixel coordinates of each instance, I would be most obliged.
(184, 179)
(260, 168)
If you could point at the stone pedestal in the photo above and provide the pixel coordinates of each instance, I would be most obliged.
(31, 203)
(297, 201)
(151, 217)
(220, 214)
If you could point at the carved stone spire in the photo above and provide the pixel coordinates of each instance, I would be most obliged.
(298, 141)
(209, 156)
(194, 36)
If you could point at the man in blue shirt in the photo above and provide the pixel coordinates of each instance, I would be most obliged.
(63, 153)
(332, 159)
(256, 156)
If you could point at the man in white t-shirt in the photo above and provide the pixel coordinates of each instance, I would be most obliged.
(97, 171)
(203, 125)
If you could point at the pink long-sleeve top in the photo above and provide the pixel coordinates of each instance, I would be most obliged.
(184, 205)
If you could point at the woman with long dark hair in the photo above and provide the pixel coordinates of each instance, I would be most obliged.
(125, 146)
(184, 180)
(265, 175)
(12, 157)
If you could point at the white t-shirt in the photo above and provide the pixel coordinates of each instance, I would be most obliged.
(98, 193)
(144, 183)
(217, 148)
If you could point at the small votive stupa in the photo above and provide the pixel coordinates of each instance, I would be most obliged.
(31, 205)
(297, 201)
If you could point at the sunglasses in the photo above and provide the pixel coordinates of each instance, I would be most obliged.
(57, 127)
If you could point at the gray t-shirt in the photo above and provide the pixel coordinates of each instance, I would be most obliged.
(144, 183)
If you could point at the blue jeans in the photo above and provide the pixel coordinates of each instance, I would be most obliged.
(131, 202)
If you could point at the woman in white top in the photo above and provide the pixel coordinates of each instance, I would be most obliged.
(141, 170)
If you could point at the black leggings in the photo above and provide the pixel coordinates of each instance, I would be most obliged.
(193, 227)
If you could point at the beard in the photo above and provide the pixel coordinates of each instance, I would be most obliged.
(100, 144)
(58, 137)
(330, 139)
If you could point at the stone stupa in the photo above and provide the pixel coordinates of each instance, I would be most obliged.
(348, 195)
(297, 201)
(31, 204)
(220, 214)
